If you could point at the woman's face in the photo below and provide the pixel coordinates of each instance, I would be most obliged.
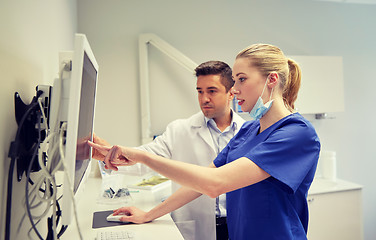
(249, 83)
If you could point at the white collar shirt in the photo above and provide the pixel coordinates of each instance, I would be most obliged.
(220, 140)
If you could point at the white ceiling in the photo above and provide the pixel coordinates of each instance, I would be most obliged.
(352, 1)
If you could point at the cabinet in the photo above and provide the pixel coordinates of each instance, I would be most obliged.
(335, 210)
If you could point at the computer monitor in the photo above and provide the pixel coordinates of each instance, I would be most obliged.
(73, 105)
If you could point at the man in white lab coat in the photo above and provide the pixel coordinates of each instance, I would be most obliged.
(197, 140)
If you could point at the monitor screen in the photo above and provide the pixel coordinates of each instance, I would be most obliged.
(85, 120)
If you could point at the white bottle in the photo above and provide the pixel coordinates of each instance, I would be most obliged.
(328, 165)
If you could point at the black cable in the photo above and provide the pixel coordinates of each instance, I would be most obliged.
(50, 232)
(12, 151)
(62, 230)
(58, 213)
(63, 227)
(9, 199)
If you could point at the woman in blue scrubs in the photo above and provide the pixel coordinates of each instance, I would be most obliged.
(266, 169)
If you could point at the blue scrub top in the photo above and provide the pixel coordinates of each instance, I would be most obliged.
(275, 208)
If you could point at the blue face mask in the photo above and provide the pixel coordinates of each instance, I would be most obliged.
(260, 109)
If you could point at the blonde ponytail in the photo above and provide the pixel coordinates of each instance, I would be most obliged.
(292, 85)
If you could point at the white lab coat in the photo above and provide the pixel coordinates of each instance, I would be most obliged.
(189, 140)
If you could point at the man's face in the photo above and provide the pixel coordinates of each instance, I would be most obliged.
(212, 96)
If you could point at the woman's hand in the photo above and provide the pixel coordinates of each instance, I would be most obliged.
(98, 154)
(132, 214)
(116, 155)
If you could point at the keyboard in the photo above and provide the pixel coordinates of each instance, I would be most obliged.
(115, 235)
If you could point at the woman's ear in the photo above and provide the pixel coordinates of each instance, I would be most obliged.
(273, 79)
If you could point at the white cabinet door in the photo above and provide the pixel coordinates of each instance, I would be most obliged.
(322, 89)
(335, 215)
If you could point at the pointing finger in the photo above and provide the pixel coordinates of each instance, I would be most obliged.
(99, 147)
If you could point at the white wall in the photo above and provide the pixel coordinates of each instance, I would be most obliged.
(32, 34)
(205, 30)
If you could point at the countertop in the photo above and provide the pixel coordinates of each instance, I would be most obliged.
(321, 185)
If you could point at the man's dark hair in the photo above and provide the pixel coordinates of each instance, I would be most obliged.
(216, 68)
